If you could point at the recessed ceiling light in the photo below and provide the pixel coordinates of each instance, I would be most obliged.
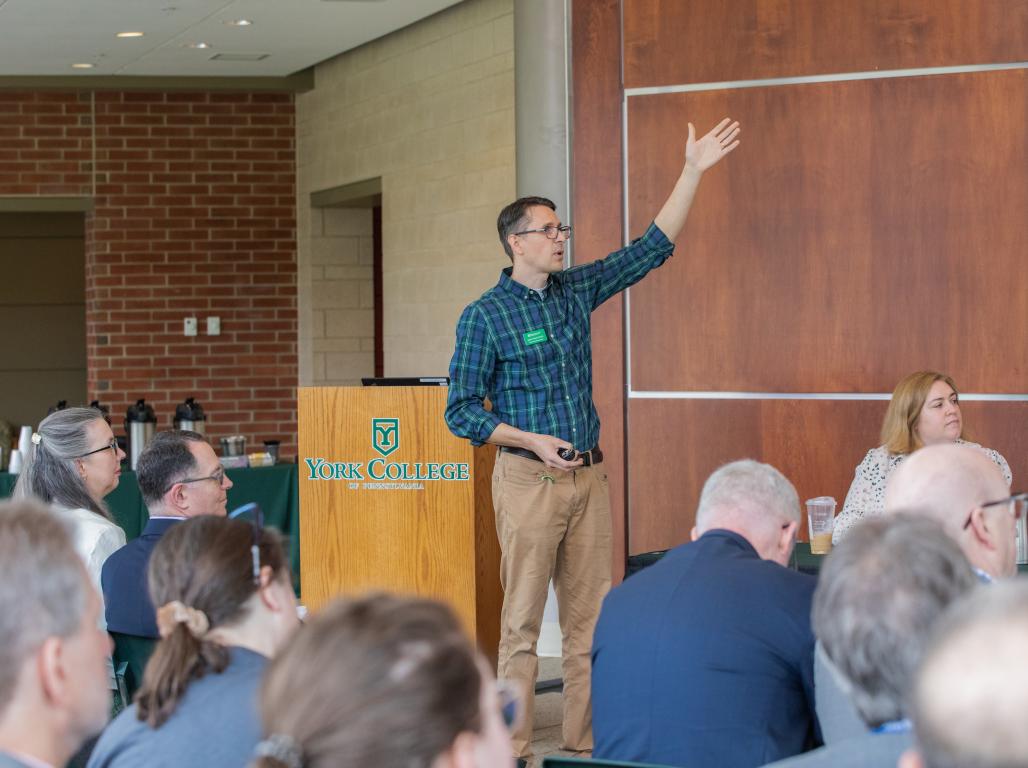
(197, 45)
(82, 65)
(239, 23)
(129, 34)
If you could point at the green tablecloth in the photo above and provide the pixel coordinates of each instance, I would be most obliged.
(275, 488)
(801, 560)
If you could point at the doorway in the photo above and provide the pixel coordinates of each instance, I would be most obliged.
(346, 284)
(42, 313)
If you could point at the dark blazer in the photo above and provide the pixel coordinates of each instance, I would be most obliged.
(123, 579)
(705, 660)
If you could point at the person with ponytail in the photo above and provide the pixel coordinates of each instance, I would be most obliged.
(225, 604)
(74, 463)
(388, 682)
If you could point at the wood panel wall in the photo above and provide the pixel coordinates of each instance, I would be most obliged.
(867, 228)
(670, 42)
(596, 202)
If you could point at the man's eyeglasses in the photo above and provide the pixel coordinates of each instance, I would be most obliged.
(257, 519)
(218, 476)
(1018, 506)
(550, 231)
(111, 446)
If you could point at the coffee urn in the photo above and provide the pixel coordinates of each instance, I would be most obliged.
(103, 409)
(140, 425)
(189, 415)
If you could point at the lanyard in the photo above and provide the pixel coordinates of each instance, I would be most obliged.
(893, 726)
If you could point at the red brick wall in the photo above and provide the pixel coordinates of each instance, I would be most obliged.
(194, 215)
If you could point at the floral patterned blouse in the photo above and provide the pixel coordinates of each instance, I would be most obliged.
(866, 497)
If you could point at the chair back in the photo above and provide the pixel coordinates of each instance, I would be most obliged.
(132, 651)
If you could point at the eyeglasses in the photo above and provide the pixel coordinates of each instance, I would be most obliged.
(512, 703)
(1018, 506)
(551, 231)
(258, 526)
(111, 446)
(218, 477)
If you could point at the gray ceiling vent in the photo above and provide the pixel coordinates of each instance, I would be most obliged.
(239, 56)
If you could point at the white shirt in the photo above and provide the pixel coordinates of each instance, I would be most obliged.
(95, 538)
(866, 497)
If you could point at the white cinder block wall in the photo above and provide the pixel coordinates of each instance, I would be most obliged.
(429, 109)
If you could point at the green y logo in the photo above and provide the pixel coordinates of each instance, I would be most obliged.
(385, 435)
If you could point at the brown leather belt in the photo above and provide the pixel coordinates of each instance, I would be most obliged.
(595, 456)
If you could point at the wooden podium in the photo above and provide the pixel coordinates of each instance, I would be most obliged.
(391, 500)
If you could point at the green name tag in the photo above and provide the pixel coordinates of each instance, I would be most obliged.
(538, 336)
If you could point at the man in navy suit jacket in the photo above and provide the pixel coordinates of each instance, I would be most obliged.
(705, 659)
(179, 477)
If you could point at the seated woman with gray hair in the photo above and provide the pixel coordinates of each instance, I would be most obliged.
(225, 605)
(74, 463)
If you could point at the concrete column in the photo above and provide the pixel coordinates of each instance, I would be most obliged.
(542, 142)
(542, 122)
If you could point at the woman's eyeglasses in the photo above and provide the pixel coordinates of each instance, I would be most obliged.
(111, 446)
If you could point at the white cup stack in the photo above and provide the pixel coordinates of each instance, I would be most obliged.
(25, 442)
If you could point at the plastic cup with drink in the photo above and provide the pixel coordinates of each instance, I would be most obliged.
(820, 522)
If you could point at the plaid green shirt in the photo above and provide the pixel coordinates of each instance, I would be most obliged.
(530, 352)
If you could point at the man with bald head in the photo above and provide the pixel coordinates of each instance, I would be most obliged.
(879, 593)
(971, 690)
(962, 489)
(706, 657)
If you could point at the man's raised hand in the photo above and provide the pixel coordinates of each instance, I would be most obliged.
(706, 152)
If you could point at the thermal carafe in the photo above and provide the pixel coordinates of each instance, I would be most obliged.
(189, 415)
(140, 425)
(103, 409)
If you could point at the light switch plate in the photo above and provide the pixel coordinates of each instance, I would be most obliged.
(213, 326)
(189, 327)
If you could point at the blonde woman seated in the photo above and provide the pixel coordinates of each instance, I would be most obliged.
(924, 410)
(384, 682)
(226, 605)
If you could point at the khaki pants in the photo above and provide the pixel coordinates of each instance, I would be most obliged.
(551, 523)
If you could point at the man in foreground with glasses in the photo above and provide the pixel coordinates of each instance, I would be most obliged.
(963, 489)
(525, 344)
(179, 477)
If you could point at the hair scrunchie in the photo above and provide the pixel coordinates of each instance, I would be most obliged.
(281, 748)
(174, 613)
